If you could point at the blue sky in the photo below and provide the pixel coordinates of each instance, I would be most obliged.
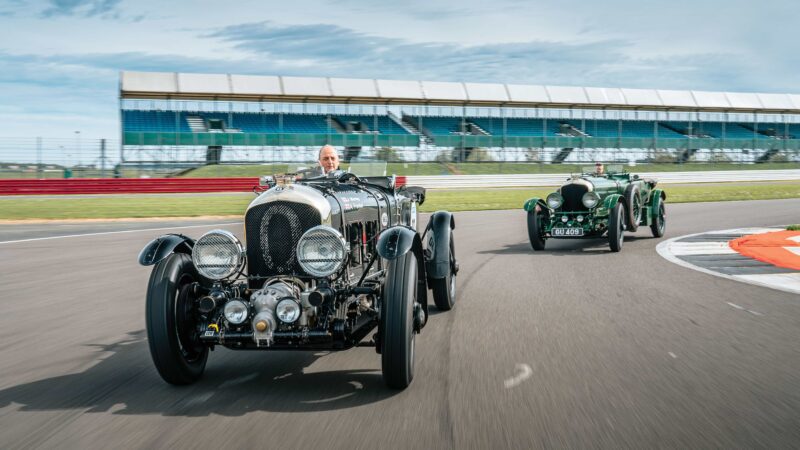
(60, 59)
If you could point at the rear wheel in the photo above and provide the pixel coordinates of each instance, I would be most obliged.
(616, 227)
(633, 203)
(397, 322)
(659, 224)
(536, 228)
(172, 334)
(444, 289)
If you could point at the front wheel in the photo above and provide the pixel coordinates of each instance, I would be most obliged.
(536, 228)
(172, 334)
(397, 322)
(616, 227)
(659, 224)
(444, 289)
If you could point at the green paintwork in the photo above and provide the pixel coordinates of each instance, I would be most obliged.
(611, 189)
(531, 203)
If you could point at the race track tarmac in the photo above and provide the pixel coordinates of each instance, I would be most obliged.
(573, 347)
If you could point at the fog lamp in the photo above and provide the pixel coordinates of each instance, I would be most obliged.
(236, 311)
(288, 310)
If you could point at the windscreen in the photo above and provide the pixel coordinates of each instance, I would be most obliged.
(367, 168)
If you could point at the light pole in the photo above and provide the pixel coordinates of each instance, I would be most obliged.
(78, 146)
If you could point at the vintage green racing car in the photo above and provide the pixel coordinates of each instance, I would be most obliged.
(597, 203)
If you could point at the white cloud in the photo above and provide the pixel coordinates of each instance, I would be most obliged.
(62, 58)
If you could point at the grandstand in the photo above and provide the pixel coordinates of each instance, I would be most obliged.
(424, 120)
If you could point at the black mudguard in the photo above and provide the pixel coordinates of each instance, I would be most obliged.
(163, 246)
(440, 227)
(395, 242)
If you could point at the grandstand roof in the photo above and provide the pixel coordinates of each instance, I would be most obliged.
(194, 86)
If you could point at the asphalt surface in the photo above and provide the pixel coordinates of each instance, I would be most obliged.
(573, 347)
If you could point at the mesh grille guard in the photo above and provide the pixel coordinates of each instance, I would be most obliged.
(273, 230)
(572, 194)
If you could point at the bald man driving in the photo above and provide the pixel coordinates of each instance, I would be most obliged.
(328, 159)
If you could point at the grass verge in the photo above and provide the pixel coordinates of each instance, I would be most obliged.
(795, 227)
(166, 205)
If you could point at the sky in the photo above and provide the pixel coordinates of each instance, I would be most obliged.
(60, 59)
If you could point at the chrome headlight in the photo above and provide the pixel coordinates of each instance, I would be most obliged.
(218, 254)
(321, 251)
(590, 199)
(555, 200)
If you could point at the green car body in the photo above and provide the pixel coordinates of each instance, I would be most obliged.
(592, 205)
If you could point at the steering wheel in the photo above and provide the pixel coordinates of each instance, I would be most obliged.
(347, 176)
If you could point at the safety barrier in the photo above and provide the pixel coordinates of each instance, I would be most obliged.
(528, 180)
(125, 185)
(246, 184)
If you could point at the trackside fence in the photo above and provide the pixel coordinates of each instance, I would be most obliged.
(246, 184)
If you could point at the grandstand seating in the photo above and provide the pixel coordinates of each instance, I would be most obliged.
(385, 124)
(159, 121)
(173, 121)
(630, 129)
(714, 130)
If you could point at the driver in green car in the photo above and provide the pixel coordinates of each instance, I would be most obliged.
(598, 169)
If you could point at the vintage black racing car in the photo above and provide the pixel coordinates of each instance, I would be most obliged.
(596, 203)
(327, 261)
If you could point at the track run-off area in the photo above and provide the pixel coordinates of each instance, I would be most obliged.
(572, 347)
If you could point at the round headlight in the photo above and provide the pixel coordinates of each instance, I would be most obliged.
(288, 310)
(590, 199)
(579, 218)
(218, 254)
(555, 200)
(321, 251)
(236, 312)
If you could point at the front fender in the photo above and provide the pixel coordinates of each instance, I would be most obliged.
(441, 225)
(395, 242)
(657, 196)
(531, 203)
(611, 201)
(163, 246)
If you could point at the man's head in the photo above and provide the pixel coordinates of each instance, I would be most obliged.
(328, 158)
(598, 168)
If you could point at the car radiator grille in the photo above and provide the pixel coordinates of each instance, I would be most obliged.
(573, 193)
(273, 230)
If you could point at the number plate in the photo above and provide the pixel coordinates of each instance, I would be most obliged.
(567, 231)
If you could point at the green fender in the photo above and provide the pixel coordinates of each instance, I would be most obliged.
(611, 201)
(656, 196)
(530, 204)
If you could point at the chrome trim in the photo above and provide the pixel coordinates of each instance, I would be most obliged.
(586, 183)
(296, 193)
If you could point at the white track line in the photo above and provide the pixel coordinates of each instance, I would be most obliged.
(524, 372)
(663, 249)
(119, 232)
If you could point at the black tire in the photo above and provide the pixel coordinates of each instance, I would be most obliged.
(633, 206)
(444, 289)
(397, 322)
(616, 227)
(536, 229)
(659, 224)
(177, 352)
